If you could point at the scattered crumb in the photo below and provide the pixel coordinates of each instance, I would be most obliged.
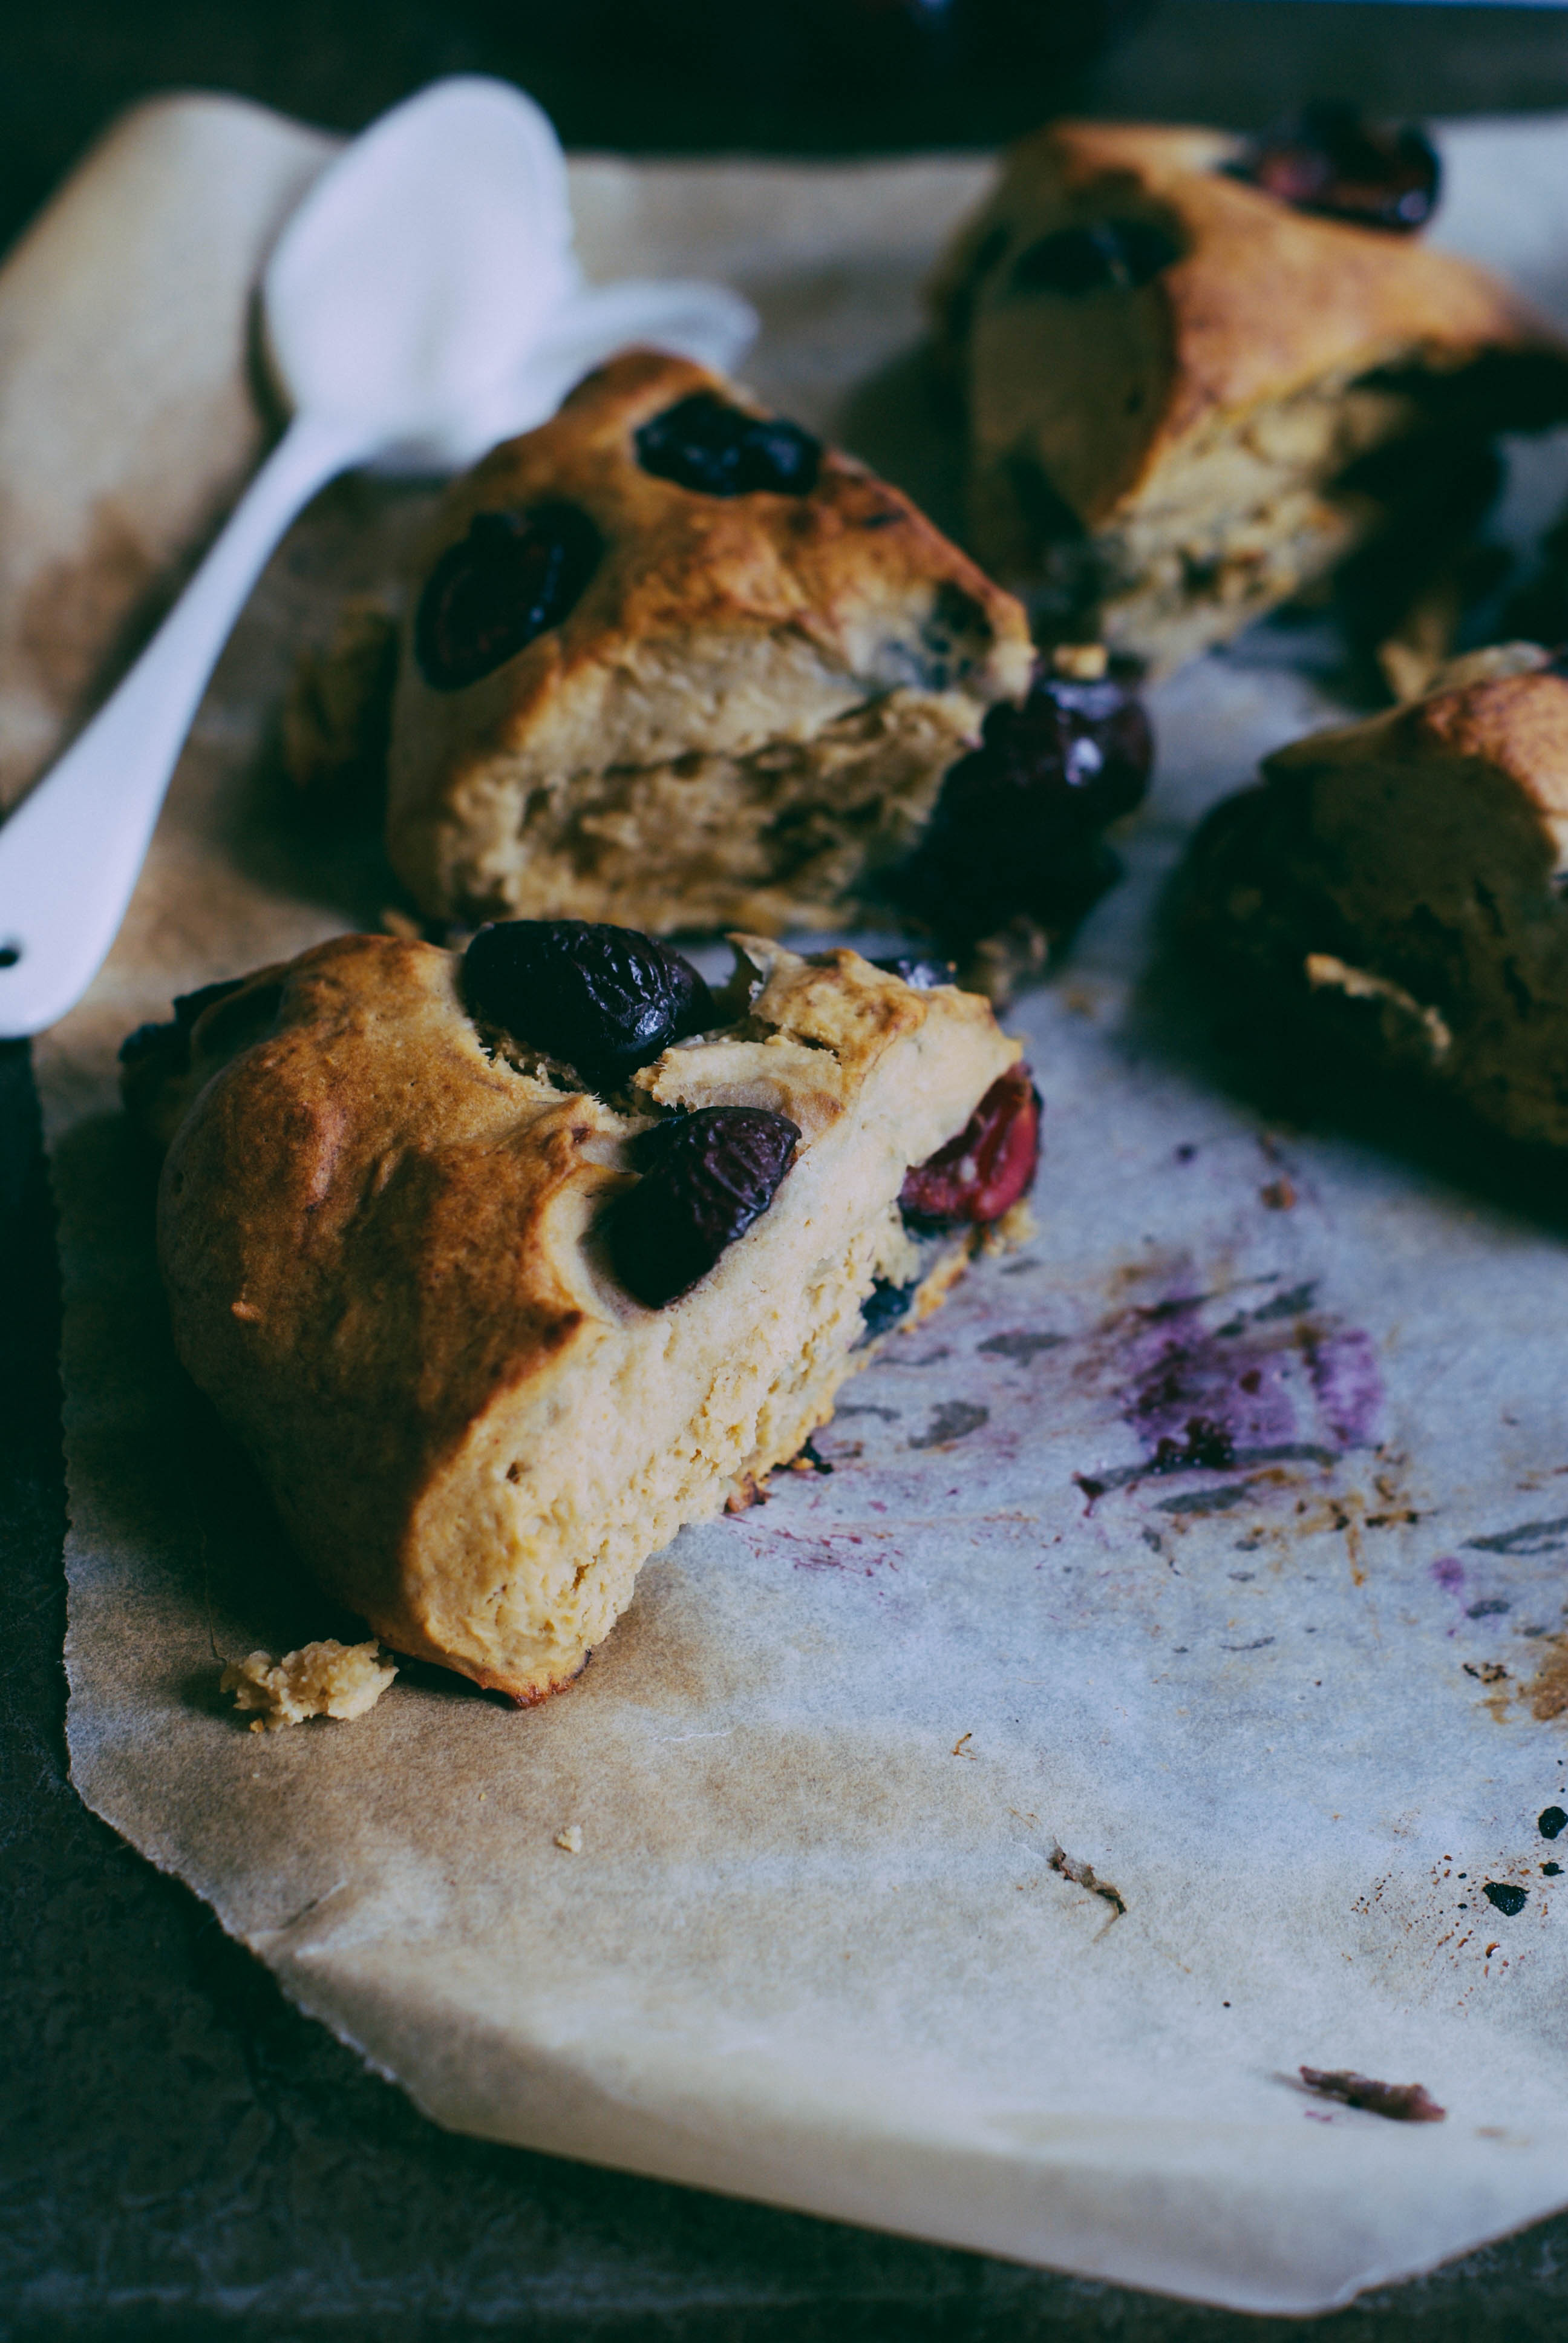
(1485, 1670)
(1016, 1226)
(1400, 2102)
(570, 1838)
(1279, 1195)
(746, 1492)
(1082, 663)
(325, 1679)
(1082, 1875)
(959, 1749)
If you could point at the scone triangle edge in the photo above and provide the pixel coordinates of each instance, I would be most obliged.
(379, 1242)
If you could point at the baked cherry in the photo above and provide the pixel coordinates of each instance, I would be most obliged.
(705, 1178)
(605, 1000)
(705, 444)
(514, 577)
(1100, 257)
(1017, 826)
(1330, 158)
(983, 1173)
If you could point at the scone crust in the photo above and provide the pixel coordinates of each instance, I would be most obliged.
(1395, 889)
(377, 1239)
(780, 615)
(1264, 300)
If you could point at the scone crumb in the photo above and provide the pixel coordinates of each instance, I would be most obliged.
(1016, 1226)
(1080, 662)
(325, 1679)
(570, 1838)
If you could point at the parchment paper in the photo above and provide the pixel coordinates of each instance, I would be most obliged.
(978, 1839)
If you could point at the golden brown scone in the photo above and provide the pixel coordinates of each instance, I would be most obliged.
(1164, 457)
(744, 712)
(388, 1238)
(1392, 891)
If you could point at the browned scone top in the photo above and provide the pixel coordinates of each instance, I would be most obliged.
(376, 1230)
(752, 700)
(1395, 886)
(1273, 348)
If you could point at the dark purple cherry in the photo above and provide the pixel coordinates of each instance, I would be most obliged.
(514, 577)
(1100, 256)
(704, 444)
(604, 999)
(920, 971)
(1017, 826)
(1330, 158)
(705, 1178)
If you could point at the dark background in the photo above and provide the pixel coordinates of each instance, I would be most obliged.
(181, 2154)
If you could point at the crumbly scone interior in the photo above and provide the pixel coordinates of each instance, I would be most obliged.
(753, 701)
(693, 779)
(379, 1235)
(1237, 518)
(1164, 462)
(773, 837)
(529, 1539)
(1401, 878)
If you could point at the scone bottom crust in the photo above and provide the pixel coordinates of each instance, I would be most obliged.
(403, 1245)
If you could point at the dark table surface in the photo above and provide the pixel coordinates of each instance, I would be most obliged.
(181, 2153)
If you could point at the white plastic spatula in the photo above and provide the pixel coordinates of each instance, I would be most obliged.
(422, 303)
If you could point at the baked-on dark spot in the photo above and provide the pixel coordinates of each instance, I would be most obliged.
(1100, 257)
(514, 577)
(1551, 1821)
(605, 1000)
(1402, 2101)
(1509, 1900)
(1330, 158)
(705, 444)
(987, 1167)
(706, 1177)
(1018, 826)
(1021, 1346)
(954, 1419)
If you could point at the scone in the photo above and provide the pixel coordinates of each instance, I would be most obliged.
(505, 1266)
(1188, 394)
(1393, 891)
(670, 660)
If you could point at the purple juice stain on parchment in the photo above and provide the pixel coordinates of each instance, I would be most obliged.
(1209, 1387)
